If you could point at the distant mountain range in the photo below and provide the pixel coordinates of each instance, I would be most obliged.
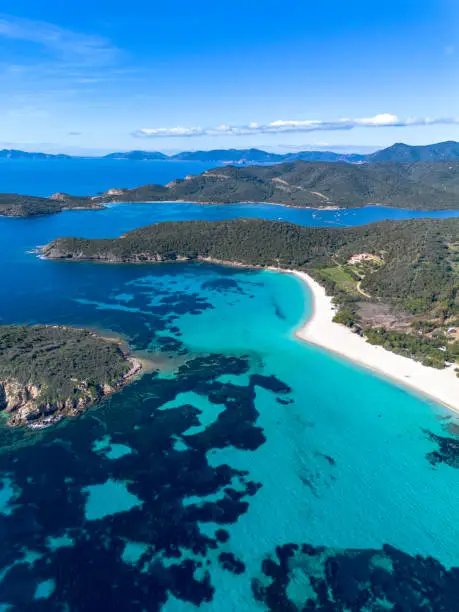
(16, 154)
(240, 156)
(399, 152)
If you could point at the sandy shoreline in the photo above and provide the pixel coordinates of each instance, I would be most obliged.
(439, 385)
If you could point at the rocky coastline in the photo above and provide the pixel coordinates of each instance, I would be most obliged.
(24, 405)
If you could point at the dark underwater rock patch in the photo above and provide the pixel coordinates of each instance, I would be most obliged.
(169, 344)
(447, 450)
(222, 535)
(231, 563)
(284, 402)
(328, 459)
(270, 383)
(279, 312)
(52, 477)
(223, 285)
(304, 577)
(182, 303)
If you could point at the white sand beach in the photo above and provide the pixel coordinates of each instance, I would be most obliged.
(440, 385)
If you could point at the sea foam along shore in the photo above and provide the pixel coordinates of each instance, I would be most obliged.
(439, 385)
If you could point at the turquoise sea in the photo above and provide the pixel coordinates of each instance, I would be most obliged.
(254, 472)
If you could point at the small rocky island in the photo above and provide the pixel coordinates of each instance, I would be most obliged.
(49, 372)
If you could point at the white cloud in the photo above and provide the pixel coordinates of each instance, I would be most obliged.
(69, 45)
(282, 126)
(176, 131)
(382, 119)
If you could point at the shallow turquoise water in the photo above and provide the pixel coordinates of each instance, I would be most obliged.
(177, 491)
(108, 498)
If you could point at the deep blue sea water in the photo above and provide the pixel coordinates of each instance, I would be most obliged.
(254, 472)
(88, 176)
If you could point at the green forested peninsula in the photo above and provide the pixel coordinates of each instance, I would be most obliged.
(417, 186)
(397, 282)
(47, 372)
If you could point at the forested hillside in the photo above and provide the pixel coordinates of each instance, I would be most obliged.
(400, 152)
(425, 186)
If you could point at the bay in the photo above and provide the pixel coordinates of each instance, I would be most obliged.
(254, 469)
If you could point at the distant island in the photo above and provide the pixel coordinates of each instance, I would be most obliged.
(48, 372)
(395, 283)
(399, 152)
(415, 186)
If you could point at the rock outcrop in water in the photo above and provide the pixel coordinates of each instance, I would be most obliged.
(50, 372)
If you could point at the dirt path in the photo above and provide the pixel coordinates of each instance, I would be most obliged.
(360, 290)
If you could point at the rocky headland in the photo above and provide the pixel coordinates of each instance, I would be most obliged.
(51, 372)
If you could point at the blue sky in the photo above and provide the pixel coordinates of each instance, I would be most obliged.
(97, 75)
